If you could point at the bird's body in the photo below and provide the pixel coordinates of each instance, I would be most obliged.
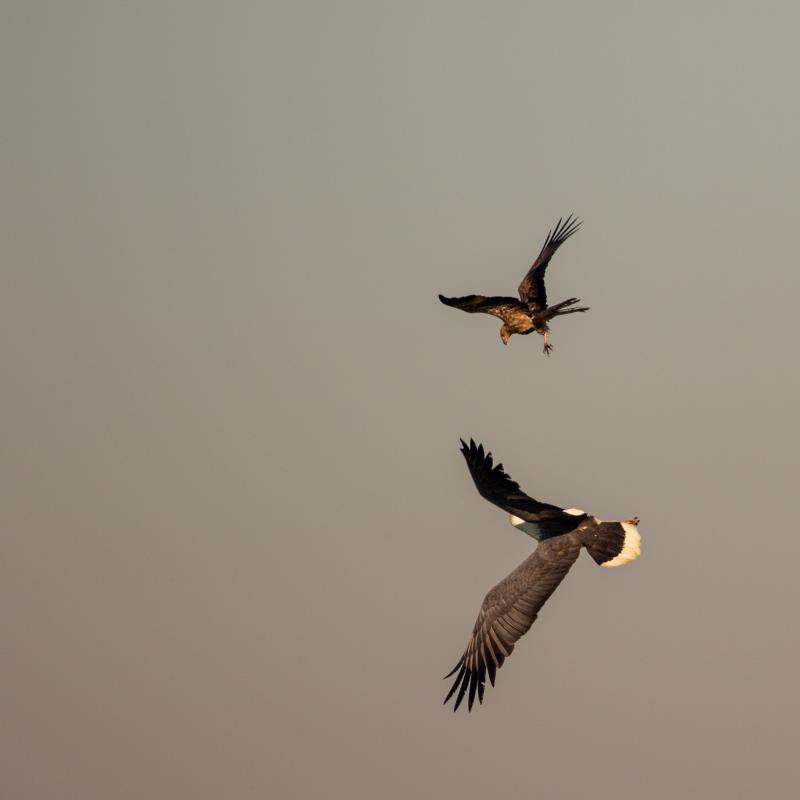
(530, 312)
(510, 608)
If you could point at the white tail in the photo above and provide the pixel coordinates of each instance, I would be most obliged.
(631, 546)
(612, 544)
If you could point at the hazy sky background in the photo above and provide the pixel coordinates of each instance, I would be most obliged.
(239, 545)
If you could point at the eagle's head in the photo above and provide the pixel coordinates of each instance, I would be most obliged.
(505, 334)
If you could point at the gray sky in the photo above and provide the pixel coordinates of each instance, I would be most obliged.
(239, 544)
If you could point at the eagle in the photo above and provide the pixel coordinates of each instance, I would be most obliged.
(530, 312)
(510, 608)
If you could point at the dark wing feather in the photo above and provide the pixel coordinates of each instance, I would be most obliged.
(532, 290)
(502, 307)
(495, 486)
(508, 611)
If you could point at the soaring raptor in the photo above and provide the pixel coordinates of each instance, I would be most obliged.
(510, 608)
(530, 312)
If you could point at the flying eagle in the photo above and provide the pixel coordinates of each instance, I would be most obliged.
(530, 312)
(510, 608)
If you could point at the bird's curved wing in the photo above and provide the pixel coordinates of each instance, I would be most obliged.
(503, 307)
(507, 612)
(495, 486)
(531, 290)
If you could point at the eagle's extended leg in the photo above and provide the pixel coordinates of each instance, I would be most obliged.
(547, 346)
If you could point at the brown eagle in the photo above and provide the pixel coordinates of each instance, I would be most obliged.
(530, 312)
(510, 608)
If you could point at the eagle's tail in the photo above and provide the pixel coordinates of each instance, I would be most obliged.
(571, 311)
(613, 544)
(563, 307)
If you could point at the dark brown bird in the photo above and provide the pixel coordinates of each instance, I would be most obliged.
(510, 608)
(530, 312)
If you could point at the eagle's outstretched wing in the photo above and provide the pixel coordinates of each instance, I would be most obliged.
(498, 488)
(507, 612)
(502, 307)
(532, 290)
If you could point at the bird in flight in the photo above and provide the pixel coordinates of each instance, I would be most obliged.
(530, 312)
(510, 608)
